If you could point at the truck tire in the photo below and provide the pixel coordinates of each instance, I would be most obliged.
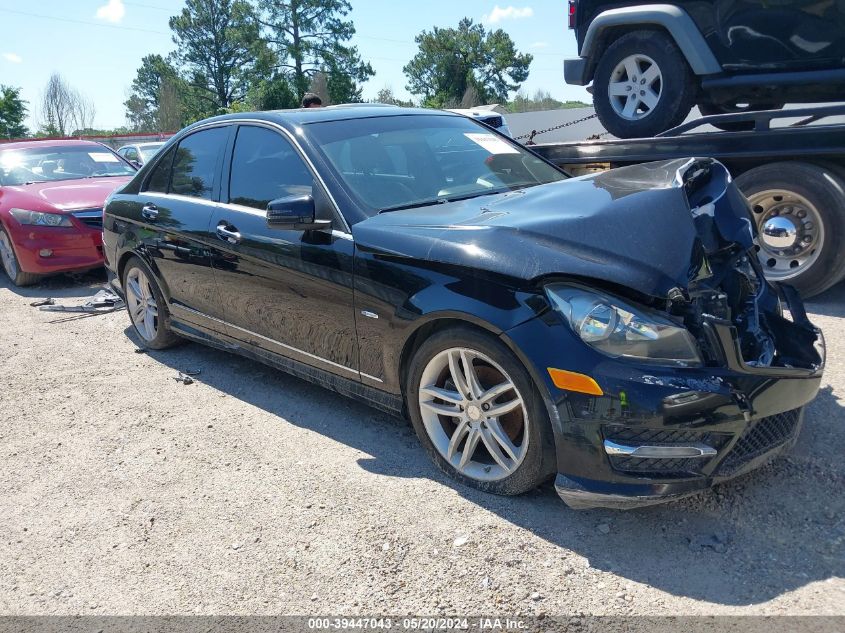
(707, 107)
(799, 209)
(643, 85)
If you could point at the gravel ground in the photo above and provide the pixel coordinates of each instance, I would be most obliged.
(123, 491)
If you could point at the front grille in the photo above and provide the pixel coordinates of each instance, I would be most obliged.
(761, 437)
(90, 217)
(666, 467)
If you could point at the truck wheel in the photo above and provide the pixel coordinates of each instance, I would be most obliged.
(799, 209)
(707, 107)
(643, 85)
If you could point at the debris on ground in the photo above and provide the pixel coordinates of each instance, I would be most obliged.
(104, 302)
(186, 377)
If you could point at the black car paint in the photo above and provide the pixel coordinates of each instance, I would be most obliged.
(304, 301)
(751, 36)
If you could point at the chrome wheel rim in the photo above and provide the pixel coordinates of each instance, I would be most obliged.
(791, 232)
(7, 256)
(141, 303)
(635, 87)
(474, 414)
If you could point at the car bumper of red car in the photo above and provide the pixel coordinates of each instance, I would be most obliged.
(46, 250)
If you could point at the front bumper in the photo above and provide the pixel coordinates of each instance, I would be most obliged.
(743, 416)
(72, 248)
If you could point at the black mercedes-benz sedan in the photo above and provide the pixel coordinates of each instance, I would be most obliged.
(613, 332)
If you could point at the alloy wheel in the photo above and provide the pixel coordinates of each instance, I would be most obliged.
(141, 303)
(474, 414)
(7, 256)
(791, 232)
(635, 87)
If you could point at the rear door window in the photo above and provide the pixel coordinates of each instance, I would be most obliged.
(195, 163)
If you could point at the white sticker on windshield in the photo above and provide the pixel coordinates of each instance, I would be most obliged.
(492, 144)
(103, 157)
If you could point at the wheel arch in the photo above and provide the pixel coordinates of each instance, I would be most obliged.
(672, 20)
(128, 254)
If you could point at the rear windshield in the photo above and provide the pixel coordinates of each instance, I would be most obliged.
(396, 162)
(47, 164)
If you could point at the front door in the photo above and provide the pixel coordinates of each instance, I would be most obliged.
(286, 291)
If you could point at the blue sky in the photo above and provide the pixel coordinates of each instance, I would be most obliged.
(97, 45)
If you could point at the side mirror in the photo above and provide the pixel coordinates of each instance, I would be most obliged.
(135, 164)
(296, 213)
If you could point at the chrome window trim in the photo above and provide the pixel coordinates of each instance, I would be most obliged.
(275, 342)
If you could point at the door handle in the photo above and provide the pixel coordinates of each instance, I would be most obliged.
(149, 211)
(228, 233)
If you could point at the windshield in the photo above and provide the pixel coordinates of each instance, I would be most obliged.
(391, 163)
(148, 151)
(50, 163)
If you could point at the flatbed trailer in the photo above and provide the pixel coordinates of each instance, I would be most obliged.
(793, 176)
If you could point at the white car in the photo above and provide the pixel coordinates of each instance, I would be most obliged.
(140, 153)
(486, 115)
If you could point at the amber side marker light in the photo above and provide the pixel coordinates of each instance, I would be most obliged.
(572, 381)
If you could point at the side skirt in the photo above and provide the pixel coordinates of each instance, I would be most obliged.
(376, 398)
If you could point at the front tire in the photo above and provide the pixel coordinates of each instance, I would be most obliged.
(11, 266)
(477, 412)
(799, 209)
(147, 307)
(642, 85)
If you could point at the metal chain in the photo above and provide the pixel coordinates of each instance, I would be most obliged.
(534, 133)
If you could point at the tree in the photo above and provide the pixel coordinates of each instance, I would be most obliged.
(12, 113)
(385, 95)
(451, 62)
(542, 100)
(64, 109)
(218, 47)
(154, 103)
(312, 36)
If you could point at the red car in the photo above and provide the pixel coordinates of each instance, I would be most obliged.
(51, 205)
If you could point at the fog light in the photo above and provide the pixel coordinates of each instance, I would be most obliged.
(45, 252)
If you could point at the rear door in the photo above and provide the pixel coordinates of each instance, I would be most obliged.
(286, 291)
(789, 34)
(175, 207)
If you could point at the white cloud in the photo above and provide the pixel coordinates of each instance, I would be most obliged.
(540, 45)
(508, 13)
(112, 11)
(12, 57)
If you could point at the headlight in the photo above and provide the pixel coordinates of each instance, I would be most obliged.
(40, 219)
(619, 329)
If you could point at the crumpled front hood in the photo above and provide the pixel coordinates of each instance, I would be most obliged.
(645, 227)
(71, 194)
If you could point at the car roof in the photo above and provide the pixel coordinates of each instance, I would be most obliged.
(305, 116)
(48, 143)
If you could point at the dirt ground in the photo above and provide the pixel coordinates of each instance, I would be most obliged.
(123, 491)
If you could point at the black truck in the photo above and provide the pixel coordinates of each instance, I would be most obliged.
(790, 164)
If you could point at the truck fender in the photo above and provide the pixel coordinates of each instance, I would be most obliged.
(676, 21)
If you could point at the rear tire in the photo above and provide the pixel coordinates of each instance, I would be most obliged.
(509, 453)
(633, 105)
(805, 203)
(10, 264)
(707, 107)
(146, 306)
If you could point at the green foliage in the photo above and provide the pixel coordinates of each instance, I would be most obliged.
(311, 36)
(385, 95)
(542, 100)
(219, 50)
(158, 92)
(12, 113)
(456, 66)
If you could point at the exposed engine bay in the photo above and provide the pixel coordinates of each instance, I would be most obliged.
(728, 286)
